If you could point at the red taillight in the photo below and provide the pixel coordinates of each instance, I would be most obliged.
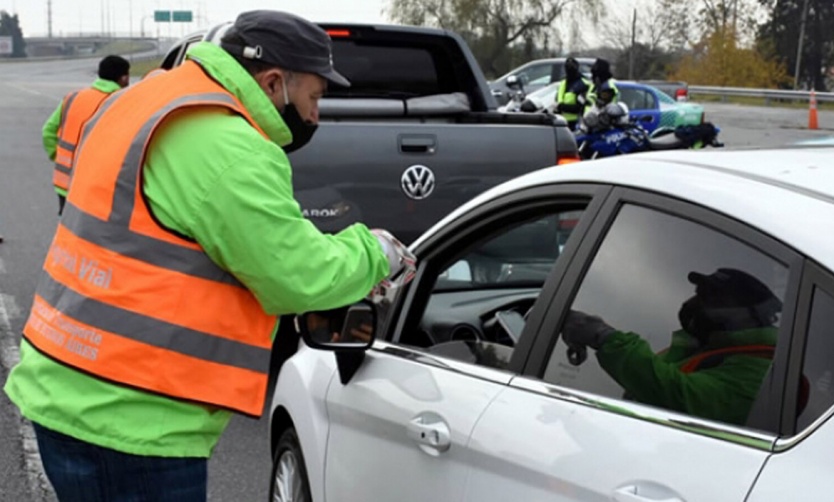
(681, 94)
(338, 33)
(568, 159)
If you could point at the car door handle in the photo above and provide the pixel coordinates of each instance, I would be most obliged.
(632, 493)
(431, 433)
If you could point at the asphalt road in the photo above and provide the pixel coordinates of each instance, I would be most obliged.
(29, 92)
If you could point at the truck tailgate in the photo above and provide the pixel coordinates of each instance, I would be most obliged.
(404, 177)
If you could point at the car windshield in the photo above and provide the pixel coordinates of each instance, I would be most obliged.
(544, 95)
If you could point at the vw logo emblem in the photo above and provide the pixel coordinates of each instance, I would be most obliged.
(417, 182)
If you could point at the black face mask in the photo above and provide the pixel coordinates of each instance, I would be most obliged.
(302, 132)
(572, 72)
(694, 320)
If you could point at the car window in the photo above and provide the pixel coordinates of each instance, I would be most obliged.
(377, 70)
(665, 98)
(540, 81)
(637, 99)
(176, 55)
(483, 290)
(520, 255)
(534, 73)
(584, 68)
(672, 314)
(816, 392)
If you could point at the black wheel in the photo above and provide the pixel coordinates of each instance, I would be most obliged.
(289, 475)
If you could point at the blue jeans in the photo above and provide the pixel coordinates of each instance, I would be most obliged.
(83, 472)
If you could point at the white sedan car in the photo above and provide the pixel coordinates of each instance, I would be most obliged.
(470, 393)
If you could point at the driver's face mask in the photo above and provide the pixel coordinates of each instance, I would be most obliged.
(694, 320)
(302, 131)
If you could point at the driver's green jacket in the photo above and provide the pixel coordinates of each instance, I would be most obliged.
(724, 392)
(210, 176)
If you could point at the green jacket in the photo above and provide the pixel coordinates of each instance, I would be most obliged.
(594, 90)
(724, 392)
(53, 123)
(210, 176)
(568, 96)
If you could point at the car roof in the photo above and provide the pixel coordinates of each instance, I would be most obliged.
(585, 61)
(787, 193)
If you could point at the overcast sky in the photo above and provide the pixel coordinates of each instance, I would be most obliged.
(74, 16)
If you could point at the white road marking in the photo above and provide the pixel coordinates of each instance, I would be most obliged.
(30, 91)
(9, 356)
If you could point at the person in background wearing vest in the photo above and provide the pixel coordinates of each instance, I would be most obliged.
(570, 99)
(180, 245)
(715, 364)
(62, 131)
(603, 87)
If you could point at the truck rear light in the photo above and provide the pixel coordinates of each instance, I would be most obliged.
(338, 33)
(568, 159)
(682, 95)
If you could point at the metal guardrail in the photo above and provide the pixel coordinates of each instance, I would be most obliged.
(766, 94)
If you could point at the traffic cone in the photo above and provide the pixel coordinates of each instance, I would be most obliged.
(812, 112)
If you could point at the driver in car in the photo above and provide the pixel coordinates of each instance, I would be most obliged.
(714, 365)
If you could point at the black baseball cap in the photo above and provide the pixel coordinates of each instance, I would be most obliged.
(285, 40)
(742, 287)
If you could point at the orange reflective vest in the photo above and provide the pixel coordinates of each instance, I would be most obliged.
(712, 358)
(76, 110)
(131, 302)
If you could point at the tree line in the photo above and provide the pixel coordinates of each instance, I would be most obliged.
(745, 43)
(10, 27)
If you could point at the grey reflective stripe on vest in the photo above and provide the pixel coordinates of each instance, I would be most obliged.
(124, 195)
(115, 234)
(66, 145)
(121, 240)
(65, 110)
(152, 331)
(63, 169)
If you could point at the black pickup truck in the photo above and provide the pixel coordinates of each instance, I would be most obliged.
(416, 135)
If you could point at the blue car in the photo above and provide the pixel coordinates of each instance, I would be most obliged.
(643, 101)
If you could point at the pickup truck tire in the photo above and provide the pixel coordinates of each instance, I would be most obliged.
(289, 474)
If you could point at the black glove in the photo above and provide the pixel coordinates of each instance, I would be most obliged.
(558, 108)
(581, 329)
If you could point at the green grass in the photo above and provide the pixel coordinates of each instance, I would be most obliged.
(124, 47)
(740, 100)
(140, 68)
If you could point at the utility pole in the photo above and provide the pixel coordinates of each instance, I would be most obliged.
(49, 18)
(130, 30)
(799, 45)
(633, 46)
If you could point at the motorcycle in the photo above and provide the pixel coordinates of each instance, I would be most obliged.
(518, 97)
(609, 131)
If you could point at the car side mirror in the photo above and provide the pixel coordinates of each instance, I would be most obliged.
(347, 329)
